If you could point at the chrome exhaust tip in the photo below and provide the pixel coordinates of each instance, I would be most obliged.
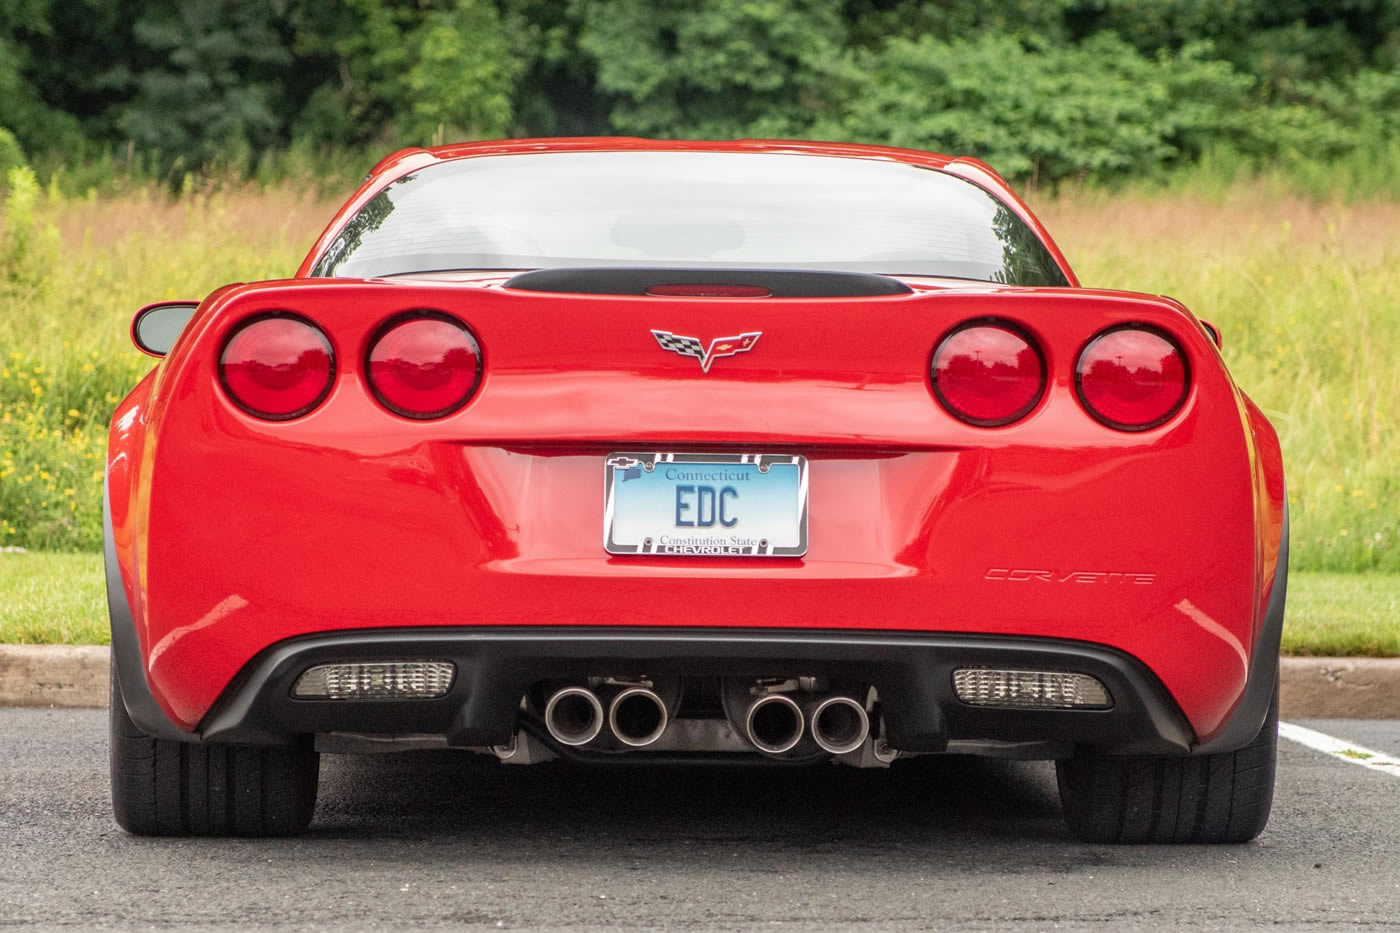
(774, 724)
(637, 717)
(839, 725)
(573, 716)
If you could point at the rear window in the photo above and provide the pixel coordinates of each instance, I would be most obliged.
(705, 210)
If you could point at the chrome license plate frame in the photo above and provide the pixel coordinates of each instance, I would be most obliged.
(634, 521)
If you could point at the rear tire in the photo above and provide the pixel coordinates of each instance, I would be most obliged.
(162, 787)
(1224, 797)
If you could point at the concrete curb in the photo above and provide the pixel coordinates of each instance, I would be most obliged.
(1313, 688)
(53, 675)
(1340, 688)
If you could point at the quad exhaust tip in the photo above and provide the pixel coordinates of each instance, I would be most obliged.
(774, 724)
(637, 716)
(839, 725)
(574, 716)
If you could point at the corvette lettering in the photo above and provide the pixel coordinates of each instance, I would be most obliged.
(1019, 575)
(719, 347)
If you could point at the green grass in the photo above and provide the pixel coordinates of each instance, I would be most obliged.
(48, 598)
(52, 599)
(1343, 615)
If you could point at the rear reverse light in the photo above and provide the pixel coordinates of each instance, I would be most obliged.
(376, 680)
(1030, 689)
(424, 366)
(988, 374)
(277, 367)
(1132, 378)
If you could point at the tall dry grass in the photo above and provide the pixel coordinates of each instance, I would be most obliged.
(1306, 293)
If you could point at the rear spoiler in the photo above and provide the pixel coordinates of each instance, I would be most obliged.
(708, 283)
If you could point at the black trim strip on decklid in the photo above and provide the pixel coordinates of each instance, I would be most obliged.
(782, 283)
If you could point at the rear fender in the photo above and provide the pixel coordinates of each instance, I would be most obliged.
(123, 519)
(127, 667)
(1253, 708)
(1271, 554)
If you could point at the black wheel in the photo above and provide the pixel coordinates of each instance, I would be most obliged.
(166, 788)
(1208, 798)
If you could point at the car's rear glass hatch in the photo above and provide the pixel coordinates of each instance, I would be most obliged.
(689, 209)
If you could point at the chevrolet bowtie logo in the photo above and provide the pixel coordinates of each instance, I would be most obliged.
(719, 347)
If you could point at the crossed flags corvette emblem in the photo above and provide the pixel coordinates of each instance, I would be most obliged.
(719, 347)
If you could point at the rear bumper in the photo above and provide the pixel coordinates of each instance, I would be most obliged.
(496, 665)
(449, 536)
(914, 675)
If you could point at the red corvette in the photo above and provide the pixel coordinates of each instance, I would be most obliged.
(622, 449)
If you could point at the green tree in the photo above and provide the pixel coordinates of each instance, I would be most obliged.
(713, 68)
(1278, 41)
(557, 93)
(409, 70)
(463, 76)
(1040, 111)
(1046, 88)
(873, 22)
(24, 24)
(11, 153)
(217, 89)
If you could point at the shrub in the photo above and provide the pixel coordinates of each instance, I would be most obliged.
(11, 155)
(1041, 112)
(29, 243)
(53, 439)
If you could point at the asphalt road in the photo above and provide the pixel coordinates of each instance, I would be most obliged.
(437, 839)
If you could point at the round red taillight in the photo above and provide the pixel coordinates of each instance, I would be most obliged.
(988, 374)
(277, 367)
(424, 366)
(1132, 378)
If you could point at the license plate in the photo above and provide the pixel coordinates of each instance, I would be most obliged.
(698, 505)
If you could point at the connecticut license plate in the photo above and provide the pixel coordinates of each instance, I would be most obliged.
(722, 505)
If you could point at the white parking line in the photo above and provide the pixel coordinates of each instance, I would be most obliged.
(1340, 749)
